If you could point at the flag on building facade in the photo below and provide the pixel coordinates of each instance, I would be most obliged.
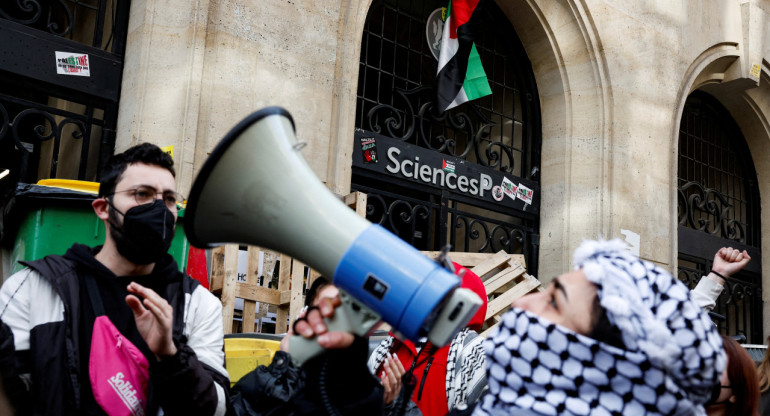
(460, 76)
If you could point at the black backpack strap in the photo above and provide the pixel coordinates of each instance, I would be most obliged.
(178, 300)
(94, 295)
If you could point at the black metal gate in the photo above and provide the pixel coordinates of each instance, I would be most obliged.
(497, 137)
(719, 206)
(61, 64)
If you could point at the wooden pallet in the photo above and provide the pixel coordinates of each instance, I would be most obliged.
(289, 297)
(504, 276)
(505, 280)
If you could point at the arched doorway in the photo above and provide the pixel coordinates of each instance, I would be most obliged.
(718, 205)
(436, 178)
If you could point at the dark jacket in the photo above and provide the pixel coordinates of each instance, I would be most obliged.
(335, 383)
(448, 376)
(14, 392)
(764, 403)
(43, 305)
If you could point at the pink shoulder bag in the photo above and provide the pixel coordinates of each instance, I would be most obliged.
(118, 370)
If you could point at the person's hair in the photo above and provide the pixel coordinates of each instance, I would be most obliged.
(315, 288)
(146, 153)
(603, 330)
(763, 371)
(743, 379)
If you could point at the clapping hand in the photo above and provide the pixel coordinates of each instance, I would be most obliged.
(154, 319)
(390, 377)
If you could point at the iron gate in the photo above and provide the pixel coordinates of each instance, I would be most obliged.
(61, 64)
(498, 134)
(719, 206)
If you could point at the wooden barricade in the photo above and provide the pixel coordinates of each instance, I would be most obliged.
(288, 297)
(504, 276)
(224, 266)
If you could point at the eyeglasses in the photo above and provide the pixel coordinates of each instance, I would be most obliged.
(146, 195)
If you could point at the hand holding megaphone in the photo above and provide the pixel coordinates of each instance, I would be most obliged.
(257, 189)
(342, 315)
(312, 322)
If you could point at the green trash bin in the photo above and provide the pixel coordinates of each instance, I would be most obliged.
(40, 220)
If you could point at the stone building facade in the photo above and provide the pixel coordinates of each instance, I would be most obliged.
(612, 82)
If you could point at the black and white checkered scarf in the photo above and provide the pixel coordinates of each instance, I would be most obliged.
(465, 372)
(672, 358)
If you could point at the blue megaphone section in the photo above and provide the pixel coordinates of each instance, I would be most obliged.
(398, 282)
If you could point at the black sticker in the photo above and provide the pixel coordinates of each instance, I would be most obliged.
(375, 286)
(369, 149)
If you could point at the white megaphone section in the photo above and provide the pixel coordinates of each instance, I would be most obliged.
(257, 189)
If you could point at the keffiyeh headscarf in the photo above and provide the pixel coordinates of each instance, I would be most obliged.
(673, 355)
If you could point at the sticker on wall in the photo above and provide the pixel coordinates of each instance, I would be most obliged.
(509, 188)
(497, 193)
(633, 239)
(524, 193)
(755, 70)
(448, 167)
(72, 64)
(369, 149)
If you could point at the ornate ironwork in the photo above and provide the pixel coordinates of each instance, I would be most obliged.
(486, 235)
(407, 218)
(740, 304)
(718, 199)
(707, 210)
(43, 114)
(717, 181)
(689, 276)
(430, 223)
(396, 98)
(35, 123)
(417, 122)
(61, 17)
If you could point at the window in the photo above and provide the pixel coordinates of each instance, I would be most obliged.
(497, 136)
(718, 205)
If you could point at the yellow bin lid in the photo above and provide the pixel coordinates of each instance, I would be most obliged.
(82, 186)
(243, 355)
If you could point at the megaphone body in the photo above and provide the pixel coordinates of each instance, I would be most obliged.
(256, 188)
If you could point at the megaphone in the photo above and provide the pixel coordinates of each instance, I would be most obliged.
(256, 188)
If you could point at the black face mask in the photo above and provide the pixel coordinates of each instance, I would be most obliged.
(715, 392)
(146, 233)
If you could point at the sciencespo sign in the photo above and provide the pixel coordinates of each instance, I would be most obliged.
(391, 157)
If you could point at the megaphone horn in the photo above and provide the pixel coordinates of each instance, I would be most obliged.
(257, 189)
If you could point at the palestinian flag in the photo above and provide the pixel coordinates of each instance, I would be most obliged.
(460, 76)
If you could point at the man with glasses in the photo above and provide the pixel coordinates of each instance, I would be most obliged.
(161, 344)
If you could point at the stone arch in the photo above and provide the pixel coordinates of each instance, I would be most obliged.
(576, 104)
(717, 72)
(708, 68)
(351, 26)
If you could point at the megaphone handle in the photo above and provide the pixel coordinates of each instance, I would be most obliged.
(303, 349)
(351, 317)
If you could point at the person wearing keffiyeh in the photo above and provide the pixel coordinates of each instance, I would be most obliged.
(618, 336)
(445, 377)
